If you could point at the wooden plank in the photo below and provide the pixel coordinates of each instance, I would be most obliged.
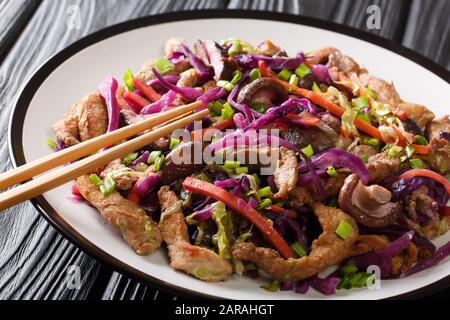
(428, 30)
(14, 16)
(353, 13)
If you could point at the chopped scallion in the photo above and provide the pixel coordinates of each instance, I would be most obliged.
(331, 171)
(159, 163)
(420, 140)
(227, 111)
(129, 158)
(173, 143)
(298, 250)
(273, 287)
(230, 164)
(235, 48)
(344, 228)
(393, 151)
(128, 79)
(257, 180)
(153, 156)
(255, 74)
(259, 107)
(374, 142)
(225, 84)
(215, 108)
(370, 93)
(264, 192)
(95, 179)
(302, 70)
(294, 80)
(316, 88)
(263, 204)
(308, 151)
(416, 163)
(162, 65)
(284, 75)
(51, 143)
(108, 186)
(347, 270)
(360, 103)
(241, 170)
(237, 75)
(364, 158)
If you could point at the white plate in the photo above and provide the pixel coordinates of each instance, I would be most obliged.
(80, 68)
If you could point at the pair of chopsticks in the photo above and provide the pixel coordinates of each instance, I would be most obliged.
(173, 119)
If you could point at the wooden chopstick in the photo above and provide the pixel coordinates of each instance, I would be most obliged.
(63, 175)
(85, 148)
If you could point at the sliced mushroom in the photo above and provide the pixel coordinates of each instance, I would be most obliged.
(370, 206)
(215, 56)
(263, 90)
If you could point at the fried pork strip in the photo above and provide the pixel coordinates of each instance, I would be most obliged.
(140, 231)
(200, 262)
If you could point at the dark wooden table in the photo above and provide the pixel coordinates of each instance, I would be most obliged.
(34, 258)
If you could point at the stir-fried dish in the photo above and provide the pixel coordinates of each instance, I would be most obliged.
(303, 163)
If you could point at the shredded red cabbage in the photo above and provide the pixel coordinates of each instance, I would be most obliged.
(397, 231)
(313, 175)
(251, 61)
(445, 135)
(158, 106)
(108, 90)
(211, 95)
(321, 73)
(240, 121)
(156, 84)
(202, 70)
(203, 214)
(382, 258)
(287, 286)
(60, 145)
(440, 254)
(176, 57)
(229, 183)
(252, 202)
(403, 187)
(239, 139)
(249, 113)
(143, 185)
(339, 158)
(326, 286)
(290, 105)
(189, 94)
(142, 159)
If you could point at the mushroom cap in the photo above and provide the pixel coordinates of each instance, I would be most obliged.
(370, 205)
(263, 90)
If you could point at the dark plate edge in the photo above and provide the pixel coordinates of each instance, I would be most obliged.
(19, 111)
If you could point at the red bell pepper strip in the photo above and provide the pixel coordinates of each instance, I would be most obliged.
(240, 205)
(136, 99)
(444, 211)
(148, 91)
(134, 197)
(426, 173)
(290, 213)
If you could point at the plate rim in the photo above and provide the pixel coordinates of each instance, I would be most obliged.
(32, 84)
